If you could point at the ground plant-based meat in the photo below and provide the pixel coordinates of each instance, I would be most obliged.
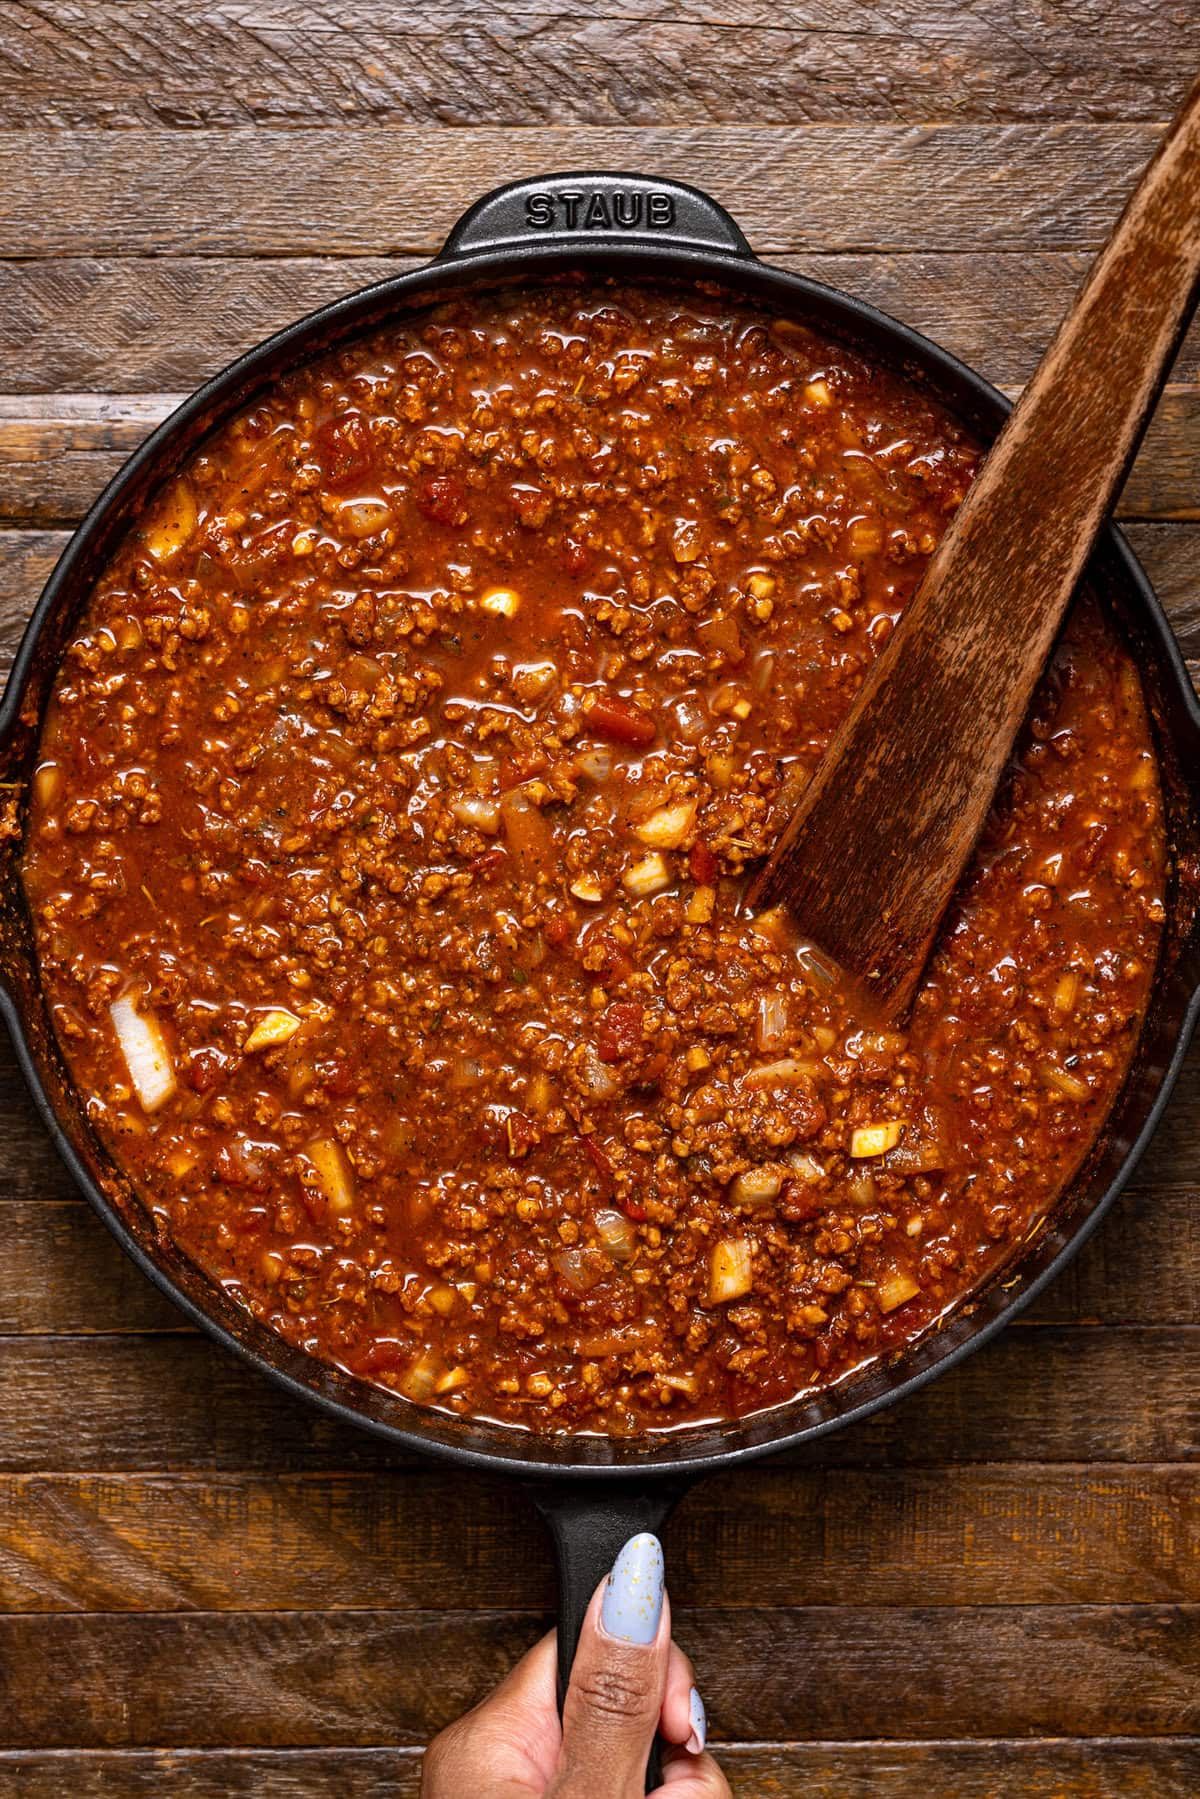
(397, 799)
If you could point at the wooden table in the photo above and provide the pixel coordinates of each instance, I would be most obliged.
(207, 1590)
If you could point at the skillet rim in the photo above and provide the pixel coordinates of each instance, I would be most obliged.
(907, 352)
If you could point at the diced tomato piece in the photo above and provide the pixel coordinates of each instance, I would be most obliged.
(343, 446)
(620, 1031)
(521, 1133)
(633, 1210)
(575, 556)
(558, 929)
(597, 1156)
(443, 499)
(205, 1069)
(487, 862)
(702, 864)
(620, 722)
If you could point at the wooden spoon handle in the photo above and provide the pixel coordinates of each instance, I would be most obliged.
(884, 829)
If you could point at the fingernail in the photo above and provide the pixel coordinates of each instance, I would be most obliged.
(699, 1722)
(633, 1597)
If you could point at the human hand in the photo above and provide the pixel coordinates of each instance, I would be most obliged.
(629, 1680)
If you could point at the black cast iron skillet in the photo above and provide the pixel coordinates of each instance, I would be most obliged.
(592, 1491)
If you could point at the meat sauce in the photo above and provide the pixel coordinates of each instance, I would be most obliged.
(396, 798)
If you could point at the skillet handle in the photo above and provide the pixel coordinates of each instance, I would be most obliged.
(599, 209)
(588, 1522)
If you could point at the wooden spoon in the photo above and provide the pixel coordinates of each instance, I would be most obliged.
(879, 839)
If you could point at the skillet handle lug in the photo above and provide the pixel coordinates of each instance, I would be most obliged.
(598, 209)
(588, 1522)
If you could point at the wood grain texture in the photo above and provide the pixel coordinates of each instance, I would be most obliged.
(302, 62)
(768, 1536)
(1040, 1393)
(1107, 1768)
(136, 325)
(346, 1678)
(840, 188)
(187, 1557)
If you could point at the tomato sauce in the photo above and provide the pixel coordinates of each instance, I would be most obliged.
(397, 796)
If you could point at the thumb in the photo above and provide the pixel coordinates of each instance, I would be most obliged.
(617, 1683)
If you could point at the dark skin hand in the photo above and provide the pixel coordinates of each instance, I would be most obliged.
(629, 1681)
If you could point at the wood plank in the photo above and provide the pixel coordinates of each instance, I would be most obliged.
(1110, 1768)
(305, 1678)
(763, 1536)
(472, 63)
(57, 452)
(62, 1273)
(1106, 1768)
(1039, 1393)
(395, 190)
(132, 325)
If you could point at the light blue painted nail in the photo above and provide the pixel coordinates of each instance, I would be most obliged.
(699, 1723)
(633, 1597)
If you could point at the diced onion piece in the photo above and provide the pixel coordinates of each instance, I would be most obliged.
(861, 1188)
(420, 1378)
(679, 1383)
(501, 602)
(823, 1036)
(595, 764)
(473, 809)
(587, 889)
(362, 518)
(528, 835)
(616, 1234)
(465, 1071)
(817, 392)
(273, 1028)
(667, 828)
(648, 876)
(865, 537)
(773, 925)
(756, 1187)
(451, 1381)
(875, 1139)
(47, 783)
(539, 1095)
(819, 969)
(895, 1290)
(700, 906)
(1063, 1081)
(181, 1161)
(788, 1072)
(698, 1058)
(175, 521)
(773, 1025)
(761, 586)
(146, 1054)
(720, 768)
(805, 1166)
(731, 1270)
(333, 1172)
(443, 1299)
(580, 1268)
(1066, 992)
(597, 1081)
